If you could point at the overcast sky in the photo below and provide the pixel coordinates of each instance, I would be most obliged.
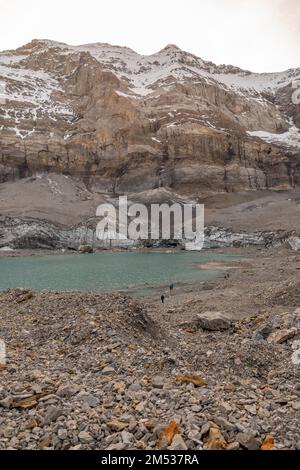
(260, 35)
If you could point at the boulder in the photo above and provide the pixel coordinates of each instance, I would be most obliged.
(158, 382)
(85, 249)
(247, 441)
(85, 437)
(178, 443)
(213, 321)
(215, 440)
(117, 425)
(296, 357)
(280, 336)
(88, 399)
(294, 243)
(262, 332)
(67, 391)
(52, 414)
(193, 379)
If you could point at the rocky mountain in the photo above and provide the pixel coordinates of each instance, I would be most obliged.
(80, 125)
(123, 122)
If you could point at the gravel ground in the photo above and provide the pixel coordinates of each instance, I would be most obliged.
(104, 371)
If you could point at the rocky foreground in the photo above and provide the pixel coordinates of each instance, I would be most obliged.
(103, 371)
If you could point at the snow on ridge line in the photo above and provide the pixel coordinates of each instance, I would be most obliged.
(142, 70)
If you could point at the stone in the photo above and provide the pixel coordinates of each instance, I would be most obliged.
(251, 409)
(67, 391)
(135, 386)
(140, 407)
(158, 382)
(205, 429)
(167, 435)
(215, 440)
(262, 332)
(213, 321)
(25, 403)
(117, 425)
(52, 414)
(295, 358)
(31, 423)
(88, 399)
(85, 437)
(280, 336)
(225, 407)
(37, 389)
(196, 408)
(118, 446)
(233, 446)
(178, 443)
(6, 402)
(8, 431)
(127, 437)
(62, 434)
(36, 374)
(46, 442)
(108, 370)
(268, 444)
(191, 379)
(85, 249)
(23, 298)
(296, 345)
(224, 423)
(248, 441)
(294, 243)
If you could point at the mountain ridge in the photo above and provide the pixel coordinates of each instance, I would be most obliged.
(123, 121)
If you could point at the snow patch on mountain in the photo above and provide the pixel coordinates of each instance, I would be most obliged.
(142, 72)
(291, 138)
(28, 93)
(32, 94)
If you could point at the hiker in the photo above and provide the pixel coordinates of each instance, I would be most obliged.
(171, 288)
(163, 299)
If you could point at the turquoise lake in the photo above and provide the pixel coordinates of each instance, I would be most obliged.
(106, 271)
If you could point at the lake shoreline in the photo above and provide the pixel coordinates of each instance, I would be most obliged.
(46, 252)
(136, 272)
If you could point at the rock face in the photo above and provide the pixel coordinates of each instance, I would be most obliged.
(30, 233)
(124, 122)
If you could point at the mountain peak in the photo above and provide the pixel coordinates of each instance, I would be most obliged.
(171, 47)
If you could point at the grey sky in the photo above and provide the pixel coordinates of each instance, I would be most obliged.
(260, 35)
